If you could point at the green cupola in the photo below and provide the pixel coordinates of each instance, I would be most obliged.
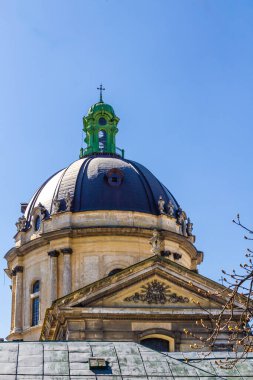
(100, 128)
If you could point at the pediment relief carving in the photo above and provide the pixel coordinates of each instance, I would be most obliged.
(156, 292)
(154, 281)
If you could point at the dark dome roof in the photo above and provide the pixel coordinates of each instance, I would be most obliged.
(103, 183)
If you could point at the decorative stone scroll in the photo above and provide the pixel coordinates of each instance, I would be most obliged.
(156, 292)
(17, 269)
(53, 253)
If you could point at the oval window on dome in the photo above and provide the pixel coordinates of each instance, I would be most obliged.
(115, 177)
(102, 121)
(37, 223)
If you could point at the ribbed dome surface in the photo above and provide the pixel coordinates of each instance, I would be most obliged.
(101, 106)
(103, 183)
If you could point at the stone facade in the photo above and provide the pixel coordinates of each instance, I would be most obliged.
(155, 298)
(71, 251)
(104, 252)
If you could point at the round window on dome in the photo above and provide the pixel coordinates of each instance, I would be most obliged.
(115, 177)
(102, 121)
(37, 223)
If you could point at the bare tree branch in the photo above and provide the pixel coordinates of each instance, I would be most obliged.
(235, 318)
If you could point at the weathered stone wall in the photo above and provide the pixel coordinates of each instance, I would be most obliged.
(99, 241)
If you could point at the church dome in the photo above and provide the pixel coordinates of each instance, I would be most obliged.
(102, 182)
(100, 107)
(89, 224)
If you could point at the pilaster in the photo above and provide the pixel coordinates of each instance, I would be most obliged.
(53, 274)
(67, 271)
(18, 275)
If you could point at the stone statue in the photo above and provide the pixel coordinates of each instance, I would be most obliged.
(21, 223)
(184, 228)
(68, 201)
(57, 204)
(189, 227)
(170, 208)
(161, 204)
(180, 216)
(43, 211)
(156, 243)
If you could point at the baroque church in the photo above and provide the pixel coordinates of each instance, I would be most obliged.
(104, 253)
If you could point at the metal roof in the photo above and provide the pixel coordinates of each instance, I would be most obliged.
(86, 180)
(124, 360)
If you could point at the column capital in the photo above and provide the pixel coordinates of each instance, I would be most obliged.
(18, 268)
(53, 253)
(66, 251)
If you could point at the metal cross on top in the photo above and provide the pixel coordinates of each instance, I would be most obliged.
(101, 88)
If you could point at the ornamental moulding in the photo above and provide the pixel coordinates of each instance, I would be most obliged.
(158, 293)
(73, 232)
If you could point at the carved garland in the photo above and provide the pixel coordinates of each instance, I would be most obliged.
(158, 293)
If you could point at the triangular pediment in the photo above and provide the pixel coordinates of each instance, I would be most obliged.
(150, 283)
(154, 290)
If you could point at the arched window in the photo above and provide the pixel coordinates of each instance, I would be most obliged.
(102, 140)
(35, 303)
(36, 287)
(114, 271)
(158, 340)
(157, 344)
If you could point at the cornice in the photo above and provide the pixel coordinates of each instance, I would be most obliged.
(72, 232)
(55, 317)
(171, 271)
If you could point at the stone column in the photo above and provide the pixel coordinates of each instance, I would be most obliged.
(53, 275)
(67, 271)
(13, 296)
(18, 271)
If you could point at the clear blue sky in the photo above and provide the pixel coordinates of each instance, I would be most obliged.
(179, 74)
